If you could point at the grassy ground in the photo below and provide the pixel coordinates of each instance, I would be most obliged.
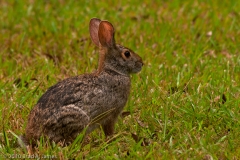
(185, 102)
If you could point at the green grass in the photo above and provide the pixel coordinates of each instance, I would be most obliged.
(185, 103)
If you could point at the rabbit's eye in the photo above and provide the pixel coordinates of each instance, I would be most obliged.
(127, 54)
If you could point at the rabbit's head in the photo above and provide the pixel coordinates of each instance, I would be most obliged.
(112, 56)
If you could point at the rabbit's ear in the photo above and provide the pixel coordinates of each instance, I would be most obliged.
(93, 29)
(106, 34)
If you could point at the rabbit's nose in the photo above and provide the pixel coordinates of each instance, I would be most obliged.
(141, 62)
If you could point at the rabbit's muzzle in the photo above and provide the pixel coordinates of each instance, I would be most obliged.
(138, 67)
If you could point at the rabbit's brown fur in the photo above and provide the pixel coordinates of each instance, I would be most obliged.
(88, 100)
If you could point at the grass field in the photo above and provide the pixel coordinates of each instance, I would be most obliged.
(184, 104)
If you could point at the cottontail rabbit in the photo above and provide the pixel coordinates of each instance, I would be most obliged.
(87, 100)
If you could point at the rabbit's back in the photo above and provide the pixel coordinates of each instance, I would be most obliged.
(72, 104)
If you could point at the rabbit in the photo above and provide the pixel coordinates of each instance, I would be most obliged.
(88, 100)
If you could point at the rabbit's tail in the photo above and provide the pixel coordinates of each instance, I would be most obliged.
(22, 141)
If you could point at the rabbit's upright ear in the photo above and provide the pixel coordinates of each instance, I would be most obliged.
(106, 34)
(93, 29)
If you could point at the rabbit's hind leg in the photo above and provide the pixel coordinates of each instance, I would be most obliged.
(66, 124)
